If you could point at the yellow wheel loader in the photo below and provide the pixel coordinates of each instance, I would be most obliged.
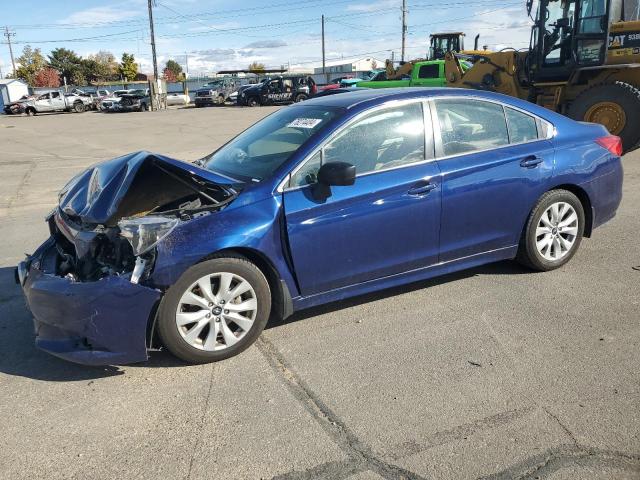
(583, 61)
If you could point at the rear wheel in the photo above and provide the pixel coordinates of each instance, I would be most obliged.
(614, 105)
(553, 231)
(215, 310)
(300, 98)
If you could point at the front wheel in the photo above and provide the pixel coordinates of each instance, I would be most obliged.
(253, 102)
(215, 310)
(553, 231)
(78, 107)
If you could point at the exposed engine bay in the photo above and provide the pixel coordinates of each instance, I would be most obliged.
(111, 216)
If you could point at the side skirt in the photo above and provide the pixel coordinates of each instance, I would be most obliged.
(403, 278)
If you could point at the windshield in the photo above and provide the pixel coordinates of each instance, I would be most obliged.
(258, 151)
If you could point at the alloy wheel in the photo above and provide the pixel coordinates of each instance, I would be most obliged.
(556, 231)
(216, 311)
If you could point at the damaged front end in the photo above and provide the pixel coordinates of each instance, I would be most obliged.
(88, 286)
(111, 216)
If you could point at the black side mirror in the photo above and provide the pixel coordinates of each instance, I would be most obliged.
(337, 173)
(333, 173)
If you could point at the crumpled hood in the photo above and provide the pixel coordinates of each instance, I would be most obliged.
(133, 184)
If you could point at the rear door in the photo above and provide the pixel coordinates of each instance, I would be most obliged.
(495, 164)
(386, 223)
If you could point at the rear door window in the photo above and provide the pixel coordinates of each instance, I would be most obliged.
(468, 125)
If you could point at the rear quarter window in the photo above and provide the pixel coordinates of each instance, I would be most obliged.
(522, 127)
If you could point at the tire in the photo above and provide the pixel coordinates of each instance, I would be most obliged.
(532, 252)
(623, 110)
(144, 107)
(300, 98)
(209, 345)
(30, 112)
(221, 100)
(253, 102)
(78, 107)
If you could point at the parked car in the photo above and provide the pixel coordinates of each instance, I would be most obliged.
(109, 102)
(370, 75)
(177, 99)
(241, 89)
(137, 100)
(56, 101)
(317, 202)
(429, 73)
(215, 93)
(279, 91)
(18, 107)
(335, 83)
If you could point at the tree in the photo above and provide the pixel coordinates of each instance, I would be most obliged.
(101, 67)
(256, 67)
(169, 75)
(175, 68)
(128, 67)
(47, 77)
(31, 62)
(67, 63)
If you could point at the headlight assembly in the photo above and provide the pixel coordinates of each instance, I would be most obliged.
(144, 233)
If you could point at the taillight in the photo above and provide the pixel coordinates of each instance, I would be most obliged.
(612, 143)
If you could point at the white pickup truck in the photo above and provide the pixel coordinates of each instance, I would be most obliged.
(57, 101)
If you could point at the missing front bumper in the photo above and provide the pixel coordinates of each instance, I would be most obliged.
(103, 322)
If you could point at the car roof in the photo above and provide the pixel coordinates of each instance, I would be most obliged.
(369, 97)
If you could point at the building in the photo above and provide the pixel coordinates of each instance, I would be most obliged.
(12, 89)
(350, 67)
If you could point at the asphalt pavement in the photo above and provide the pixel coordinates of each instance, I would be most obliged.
(492, 373)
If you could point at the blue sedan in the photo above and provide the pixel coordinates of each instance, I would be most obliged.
(320, 201)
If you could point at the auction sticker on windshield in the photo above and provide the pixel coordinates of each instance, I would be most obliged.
(304, 123)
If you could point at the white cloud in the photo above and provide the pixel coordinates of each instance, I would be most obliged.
(101, 14)
(369, 7)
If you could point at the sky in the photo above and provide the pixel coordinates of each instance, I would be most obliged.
(214, 35)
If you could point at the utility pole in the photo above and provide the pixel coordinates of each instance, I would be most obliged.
(153, 52)
(323, 63)
(404, 28)
(186, 64)
(9, 34)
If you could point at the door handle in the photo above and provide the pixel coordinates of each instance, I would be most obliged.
(422, 188)
(531, 161)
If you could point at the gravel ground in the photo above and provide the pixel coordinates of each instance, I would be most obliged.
(491, 373)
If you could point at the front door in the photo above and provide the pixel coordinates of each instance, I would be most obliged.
(495, 164)
(57, 101)
(386, 223)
